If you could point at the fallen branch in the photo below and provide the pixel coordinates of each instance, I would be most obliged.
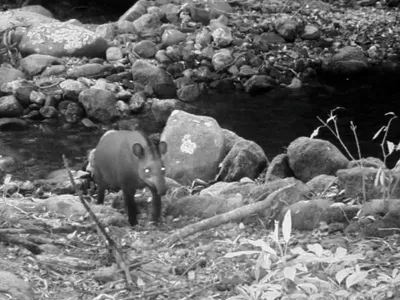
(117, 252)
(58, 261)
(274, 202)
(15, 240)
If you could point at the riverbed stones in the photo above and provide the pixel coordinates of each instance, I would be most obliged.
(137, 101)
(147, 26)
(191, 92)
(271, 38)
(310, 32)
(72, 88)
(137, 10)
(195, 147)
(54, 70)
(35, 63)
(145, 49)
(9, 74)
(287, 28)
(349, 60)
(10, 107)
(258, 84)
(245, 159)
(311, 157)
(48, 112)
(160, 81)
(172, 37)
(222, 35)
(71, 111)
(23, 90)
(62, 39)
(163, 108)
(92, 70)
(222, 59)
(114, 54)
(99, 104)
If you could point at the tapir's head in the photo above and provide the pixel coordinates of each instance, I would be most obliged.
(150, 165)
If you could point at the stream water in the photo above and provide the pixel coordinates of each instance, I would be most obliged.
(272, 120)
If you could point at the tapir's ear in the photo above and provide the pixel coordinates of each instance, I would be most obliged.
(138, 150)
(163, 147)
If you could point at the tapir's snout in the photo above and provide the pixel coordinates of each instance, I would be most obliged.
(161, 187)
(158, 184)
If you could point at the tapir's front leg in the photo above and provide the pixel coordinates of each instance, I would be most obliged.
(156, 204)
(130, 207)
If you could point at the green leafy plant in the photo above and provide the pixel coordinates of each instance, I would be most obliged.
(331, 124)
(285, 271)
(384, 177)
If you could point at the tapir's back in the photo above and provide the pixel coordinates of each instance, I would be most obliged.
(115, 162)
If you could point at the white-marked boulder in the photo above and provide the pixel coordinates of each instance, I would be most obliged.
(312, 157)
(195, 147)
(62, 39)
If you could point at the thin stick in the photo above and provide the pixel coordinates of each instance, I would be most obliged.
(113, 246)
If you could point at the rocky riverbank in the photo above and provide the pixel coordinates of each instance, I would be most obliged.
(163, 56)
(154, 63)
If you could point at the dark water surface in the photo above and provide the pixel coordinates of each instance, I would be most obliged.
(39, 150)
(273, 120)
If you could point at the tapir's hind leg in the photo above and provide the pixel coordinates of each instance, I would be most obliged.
(130, 206)
(101, 189)
(100, 194)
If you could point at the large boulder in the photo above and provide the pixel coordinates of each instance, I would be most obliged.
(311, 157)
(62, 39)
(245, 159)
(20, 18)
(195, 147)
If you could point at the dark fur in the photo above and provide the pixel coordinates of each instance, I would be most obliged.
(116, 166)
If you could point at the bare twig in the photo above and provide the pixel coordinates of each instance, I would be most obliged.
(112, 244)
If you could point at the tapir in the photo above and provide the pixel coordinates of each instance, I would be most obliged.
(129, 160)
